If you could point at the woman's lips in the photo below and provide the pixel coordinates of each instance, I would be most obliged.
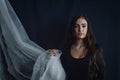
(80, 33)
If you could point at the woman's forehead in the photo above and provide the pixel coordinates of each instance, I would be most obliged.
(81, 21)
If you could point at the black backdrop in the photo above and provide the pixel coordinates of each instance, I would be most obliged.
(47, 21)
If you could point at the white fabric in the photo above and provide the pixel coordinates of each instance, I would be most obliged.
(52, 70)
(18, 53)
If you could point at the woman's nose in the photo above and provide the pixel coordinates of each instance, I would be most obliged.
(80, 29)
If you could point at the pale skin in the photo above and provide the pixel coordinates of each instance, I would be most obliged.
(78, 49)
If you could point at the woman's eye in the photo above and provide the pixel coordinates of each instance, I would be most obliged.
(83, 26)
(76, 26)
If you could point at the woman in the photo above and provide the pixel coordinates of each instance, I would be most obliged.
(82, 57)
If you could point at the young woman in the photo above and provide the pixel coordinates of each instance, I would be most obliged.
(82, 57)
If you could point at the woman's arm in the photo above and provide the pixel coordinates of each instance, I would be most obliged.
(101, 65)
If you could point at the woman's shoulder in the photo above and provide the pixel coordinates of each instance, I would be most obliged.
(97, 48)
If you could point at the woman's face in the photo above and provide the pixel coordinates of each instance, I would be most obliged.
(81, 28)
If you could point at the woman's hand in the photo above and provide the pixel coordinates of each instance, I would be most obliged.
(53, 51)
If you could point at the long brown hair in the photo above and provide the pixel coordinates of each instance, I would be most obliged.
(89, 40)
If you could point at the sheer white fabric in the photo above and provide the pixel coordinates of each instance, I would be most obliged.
(19, 53)
(50, 71)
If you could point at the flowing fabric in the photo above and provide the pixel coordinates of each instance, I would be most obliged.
(50, 71)
(18, 53)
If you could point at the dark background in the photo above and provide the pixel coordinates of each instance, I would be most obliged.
(47, 21)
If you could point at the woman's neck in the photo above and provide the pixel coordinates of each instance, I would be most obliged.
(78, 49)
(79, 43)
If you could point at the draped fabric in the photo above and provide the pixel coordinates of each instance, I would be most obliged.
(18, 53)
(50, 71)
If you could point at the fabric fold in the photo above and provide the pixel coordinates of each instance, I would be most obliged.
(18, 53)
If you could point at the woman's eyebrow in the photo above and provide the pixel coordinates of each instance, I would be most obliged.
(77, 25)
(84, 23)
(81, 24)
